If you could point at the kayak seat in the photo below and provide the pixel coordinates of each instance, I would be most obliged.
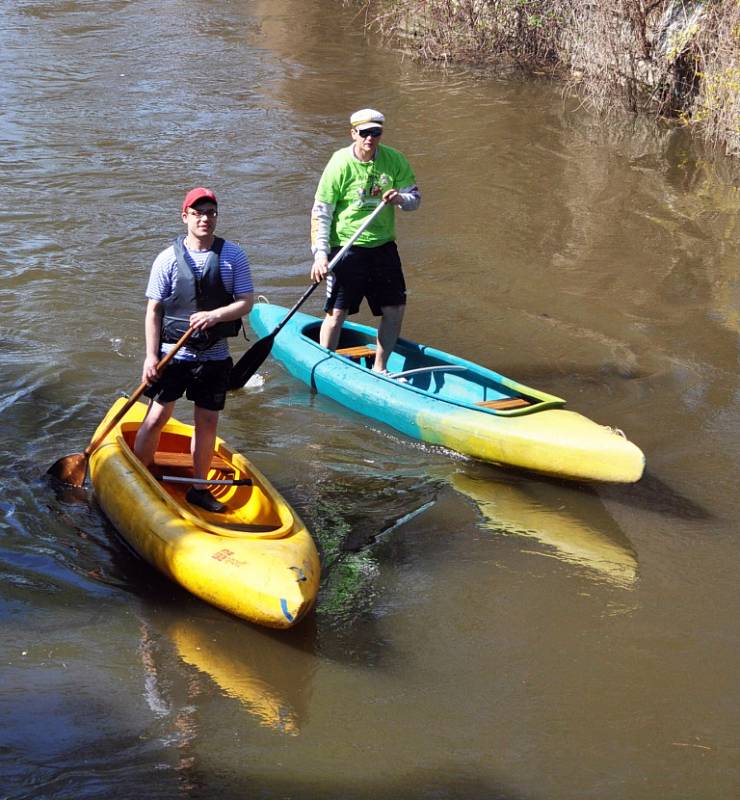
(358, 352)
(164, 459)
(505, 404)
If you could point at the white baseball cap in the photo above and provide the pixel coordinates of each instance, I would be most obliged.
(366, 118)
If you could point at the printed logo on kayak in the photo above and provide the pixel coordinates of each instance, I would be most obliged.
(226, 556)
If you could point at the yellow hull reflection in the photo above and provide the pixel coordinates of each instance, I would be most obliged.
(513, 510)
(237, 672)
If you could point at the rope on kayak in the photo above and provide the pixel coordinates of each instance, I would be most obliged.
(616, 431)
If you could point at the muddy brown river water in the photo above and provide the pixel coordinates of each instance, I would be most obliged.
(479, 633)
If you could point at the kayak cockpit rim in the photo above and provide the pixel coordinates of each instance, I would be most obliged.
(500, 387)
(232, 530)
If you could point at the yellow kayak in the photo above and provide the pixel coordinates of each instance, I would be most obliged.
(256, 560)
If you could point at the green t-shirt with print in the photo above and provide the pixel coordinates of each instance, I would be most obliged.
(355, 188)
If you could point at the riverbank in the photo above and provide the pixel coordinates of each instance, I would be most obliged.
(677, 60)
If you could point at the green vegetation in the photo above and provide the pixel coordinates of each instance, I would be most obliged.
(677, 59)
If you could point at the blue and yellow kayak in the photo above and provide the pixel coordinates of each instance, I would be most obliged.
(257, 560)
(444, 400)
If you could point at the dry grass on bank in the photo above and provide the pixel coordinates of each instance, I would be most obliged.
(677, 59)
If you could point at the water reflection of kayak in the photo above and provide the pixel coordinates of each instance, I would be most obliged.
(249, 669)
(598, 546)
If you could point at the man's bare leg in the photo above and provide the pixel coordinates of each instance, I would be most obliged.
(388, 332)
(204, 440)
(331, 328)
(147, 437)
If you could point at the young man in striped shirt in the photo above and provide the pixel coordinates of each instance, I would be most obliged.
(203, 282)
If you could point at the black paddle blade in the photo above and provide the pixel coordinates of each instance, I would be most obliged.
(250, 362)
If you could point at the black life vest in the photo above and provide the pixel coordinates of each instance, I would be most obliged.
(193, 294)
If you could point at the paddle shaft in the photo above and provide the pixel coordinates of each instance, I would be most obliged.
(337, 258)
(209, 482)
(136, 394)
(250, 362)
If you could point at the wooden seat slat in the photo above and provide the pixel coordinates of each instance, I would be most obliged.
(163, 459)
(505, 405)
(360, 351)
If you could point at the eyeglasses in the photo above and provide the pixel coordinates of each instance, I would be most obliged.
(374, 132)
(210, 213)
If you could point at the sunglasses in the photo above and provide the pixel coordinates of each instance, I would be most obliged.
(210, 213)
(374, 132)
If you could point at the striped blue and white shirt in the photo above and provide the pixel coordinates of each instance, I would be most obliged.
(235, 275)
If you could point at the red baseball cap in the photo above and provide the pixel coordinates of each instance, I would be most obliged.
(194, 195)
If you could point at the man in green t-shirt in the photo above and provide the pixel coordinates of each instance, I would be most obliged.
(354, 182)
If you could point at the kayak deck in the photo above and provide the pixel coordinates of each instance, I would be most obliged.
(440, 375)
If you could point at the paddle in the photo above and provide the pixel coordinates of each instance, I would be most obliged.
(72, 469)
(207, 481)
(251, 361)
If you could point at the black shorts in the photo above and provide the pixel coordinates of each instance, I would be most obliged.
(205, 382)
(371, 272)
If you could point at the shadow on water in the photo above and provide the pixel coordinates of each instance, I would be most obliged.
(652, 494)
(365, 530)
(78, 512)
(444, 782)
